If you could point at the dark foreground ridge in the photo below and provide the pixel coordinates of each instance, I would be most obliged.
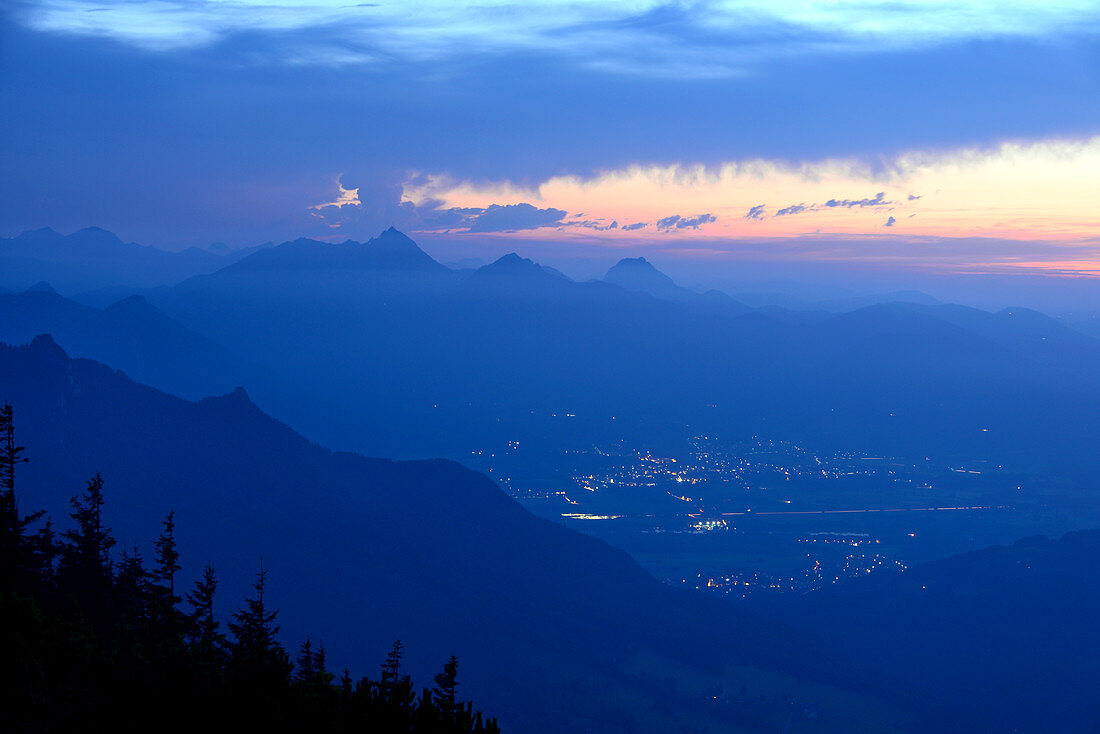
(96, 640)
(556, 631)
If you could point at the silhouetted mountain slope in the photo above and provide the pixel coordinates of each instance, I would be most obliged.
(390, 250)
(638, 274)
(856, 302)
(1022, 329)
(1009, 633)
(516, 270)
(132, 334)
(149, 346)
(95, 258)
(41, 287)
(454, 361)
(558, 631)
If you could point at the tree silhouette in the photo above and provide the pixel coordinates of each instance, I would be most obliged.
(85, 567)
(14, 566)
(256, 654)
(207, 642)
(95, 645)
(446, 681)
(305, 664)
(167, 555)
(391, 669)
(89, 544)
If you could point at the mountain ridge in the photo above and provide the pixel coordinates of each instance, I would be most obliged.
(429, 551)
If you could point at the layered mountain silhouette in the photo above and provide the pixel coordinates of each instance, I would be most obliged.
(390, 250)
(556, 631)
(1007, 632)
(638, 274)
(93, 258)
(132, 334)
(454, 360)
(145, 343)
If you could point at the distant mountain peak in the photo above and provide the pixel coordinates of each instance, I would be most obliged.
(394, 240)
(638, 274)
(395, 250)
(41, 287)
(391, 250)
(511, 264)
(516, 267)
(98, 234)
(512, 259)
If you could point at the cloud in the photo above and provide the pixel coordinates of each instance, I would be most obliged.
(634, 226)
(515, 217)
(1030, 190)
(360, 207)
(793, 209)
(913, 197)
(646, 37)
(493, 218)
(597, 224)
(890, 222)
(878, 199)
(756, 212)
(678, 222)
(432, 217)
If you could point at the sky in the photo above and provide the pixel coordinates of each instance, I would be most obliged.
(879, 136)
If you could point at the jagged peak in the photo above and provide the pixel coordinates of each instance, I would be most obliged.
(44, 345)
(394, 239)
(237, 397)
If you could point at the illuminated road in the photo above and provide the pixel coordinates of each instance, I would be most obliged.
(772, 513)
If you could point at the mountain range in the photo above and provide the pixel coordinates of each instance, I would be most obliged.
(438, 349)
(457, 360)
(93, 258)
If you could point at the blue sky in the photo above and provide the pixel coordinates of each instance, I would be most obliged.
(178, 123)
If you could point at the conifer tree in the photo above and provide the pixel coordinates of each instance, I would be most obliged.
(132, 577)
(257, 654)
(391, 669)
(10, 457)
(89, 544)
(85, 553)
(167, 555)
(446, 681)
(101, 646)
(207, 641)
(15, 561)
(304, 669)
(131, 600)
